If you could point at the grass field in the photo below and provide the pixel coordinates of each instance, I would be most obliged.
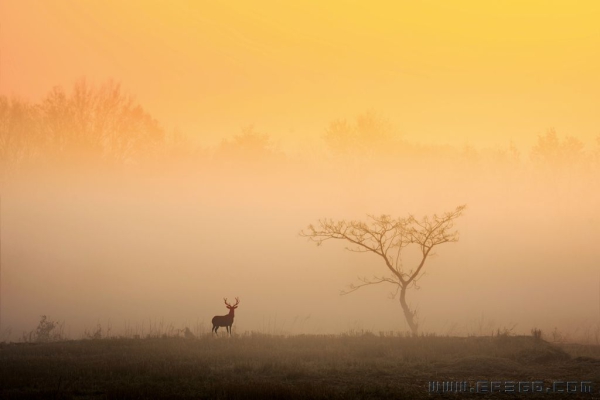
(256, 366)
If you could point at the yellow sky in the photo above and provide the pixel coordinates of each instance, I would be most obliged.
(476, 72)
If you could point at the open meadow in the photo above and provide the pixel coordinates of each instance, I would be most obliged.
(257, 366)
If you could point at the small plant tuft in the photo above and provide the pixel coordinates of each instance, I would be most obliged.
(558, 336)
(94, 335)
(187, 333)
(505, 332)
(536, 333)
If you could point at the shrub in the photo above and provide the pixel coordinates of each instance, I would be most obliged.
(46, 331)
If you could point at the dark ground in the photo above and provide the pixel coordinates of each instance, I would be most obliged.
(256, 366)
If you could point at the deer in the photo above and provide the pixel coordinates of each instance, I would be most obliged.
(225, 320)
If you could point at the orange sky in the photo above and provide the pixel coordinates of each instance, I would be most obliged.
(464, 72)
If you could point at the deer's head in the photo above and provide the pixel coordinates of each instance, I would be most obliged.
(232, 307)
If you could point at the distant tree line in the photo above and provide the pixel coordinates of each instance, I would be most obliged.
(87, 126)
(105, 126)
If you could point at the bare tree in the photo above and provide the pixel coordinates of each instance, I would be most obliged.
(387, 237)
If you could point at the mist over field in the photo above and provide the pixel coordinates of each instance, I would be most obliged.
(161, 241)
(183, 166)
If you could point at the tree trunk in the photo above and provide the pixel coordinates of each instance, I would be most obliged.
(408, 314)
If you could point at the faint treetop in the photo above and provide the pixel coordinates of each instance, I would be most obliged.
(553, 152)
(249, 149)
(597, 152)
(369, 136)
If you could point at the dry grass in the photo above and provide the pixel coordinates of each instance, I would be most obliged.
(254, 365)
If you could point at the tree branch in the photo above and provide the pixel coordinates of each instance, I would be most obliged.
(384, 234)
(366, 282)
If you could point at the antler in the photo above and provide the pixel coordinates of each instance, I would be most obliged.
(237, 301)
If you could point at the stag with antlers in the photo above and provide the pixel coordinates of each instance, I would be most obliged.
(225, 320)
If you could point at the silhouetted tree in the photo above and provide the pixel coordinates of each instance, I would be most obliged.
(251, 149)
(556, 153)
(89, 125)
(387, 237)
(101, 124)
(563, 166)
(19, 132)
(180, 150)
(370, 136)
(597, 152)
